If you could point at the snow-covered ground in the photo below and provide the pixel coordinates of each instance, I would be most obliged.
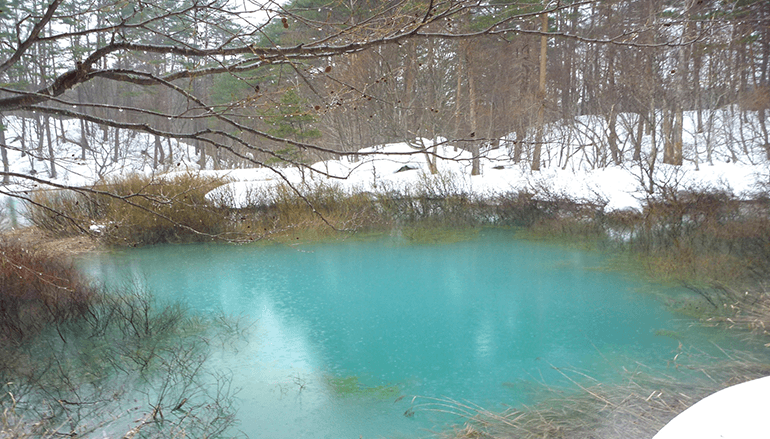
(620, 187)
(727, 154)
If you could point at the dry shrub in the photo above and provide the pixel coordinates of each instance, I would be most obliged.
(702, 235)
(685, 264)
(309, 212)
(128, 365)
(433, 201)
(520, 209)
(134, 210)
(155, 210)
(38, 290)
(62, 213)
(433, 204)
(567, 229)
(694, 233)
(554, 216)
(321, 210)
(423, 209)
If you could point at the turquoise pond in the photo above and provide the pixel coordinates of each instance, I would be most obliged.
(344, 329)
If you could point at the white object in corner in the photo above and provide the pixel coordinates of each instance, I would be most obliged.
(738, 412)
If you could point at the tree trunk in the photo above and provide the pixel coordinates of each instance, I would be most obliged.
(23, 138)
(431, 119)
(408, 123)
(764, 85)
(518, 146)
(668, 141)
(568, 89)
(653, 127)
(61, 127)
(541, 95)
(216, 164)
(52, 169)
(4, 153)
(40, 131)
(475, 165)
(116, 146)
(696, 92)
(638, 138)
(681, 92)
(459, 95)
(652, 159)
(763, 126)
(83, 131)
(157, 154)
(83, 139)
(202, 158)
(676, 144)
(612, 136)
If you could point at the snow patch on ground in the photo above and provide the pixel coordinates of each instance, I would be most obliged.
(619, 187)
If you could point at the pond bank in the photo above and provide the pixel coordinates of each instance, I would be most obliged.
(707, 241)
(33, 237)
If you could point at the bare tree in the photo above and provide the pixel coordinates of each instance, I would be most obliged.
(541, 91)
(202, 72)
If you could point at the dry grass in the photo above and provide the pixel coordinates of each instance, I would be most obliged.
(745, 310)
(310, 212)
(137, 210)
(152, 210)
(636, 408)
(705, 236)
(133, 210)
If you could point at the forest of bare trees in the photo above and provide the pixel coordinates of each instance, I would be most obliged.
(267, 83)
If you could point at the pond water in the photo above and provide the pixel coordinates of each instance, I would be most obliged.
(344, 329)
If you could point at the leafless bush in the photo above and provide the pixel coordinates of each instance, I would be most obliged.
(705, 235)
(37, 291)
(79, 361)
(133, 210)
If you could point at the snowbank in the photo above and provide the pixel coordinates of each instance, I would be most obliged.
(379, 170)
